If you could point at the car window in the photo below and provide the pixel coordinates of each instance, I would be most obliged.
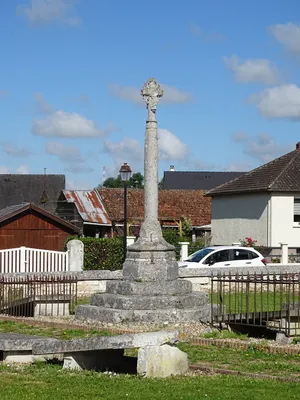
(196, 257)
(252, 254)
(219, 256)
(241, 254)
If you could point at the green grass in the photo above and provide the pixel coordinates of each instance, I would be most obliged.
(251, 360)
(261, 301)
(52, 383)
(45, 330)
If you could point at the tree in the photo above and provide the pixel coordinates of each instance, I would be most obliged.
(136, 181)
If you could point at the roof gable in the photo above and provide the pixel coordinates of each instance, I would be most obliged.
(197, 180)
(13, 211)
(173, 205)
(279, 175)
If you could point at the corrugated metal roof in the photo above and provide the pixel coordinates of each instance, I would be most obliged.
(89, 205)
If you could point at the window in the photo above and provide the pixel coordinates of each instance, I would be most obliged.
(296, 210)
(219, 256)
(241, 254)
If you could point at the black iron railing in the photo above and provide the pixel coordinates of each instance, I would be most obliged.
(271, 301)
(42, 295)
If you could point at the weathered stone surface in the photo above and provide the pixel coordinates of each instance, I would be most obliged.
(20, 342)
(128, 341)
(122, 302)
(147, 271)
(111, 315)
(162, 288)
(161, 361)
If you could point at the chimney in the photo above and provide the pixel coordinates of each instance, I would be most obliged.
(172, 166)
(298, 145)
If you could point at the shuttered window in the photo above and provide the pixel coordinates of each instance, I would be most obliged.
(296, 210)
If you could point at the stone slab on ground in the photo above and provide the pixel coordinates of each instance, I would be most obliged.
(170, 315)
(20, 341)
(127, 341)
(161, 361)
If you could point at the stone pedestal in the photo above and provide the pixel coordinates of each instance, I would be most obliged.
(150, 290)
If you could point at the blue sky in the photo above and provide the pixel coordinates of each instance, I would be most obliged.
(71, 72)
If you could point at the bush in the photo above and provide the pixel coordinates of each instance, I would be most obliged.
(102, 253)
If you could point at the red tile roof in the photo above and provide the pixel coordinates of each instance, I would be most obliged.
(173, 205)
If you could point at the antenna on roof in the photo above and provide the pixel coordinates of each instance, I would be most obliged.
(103, 175)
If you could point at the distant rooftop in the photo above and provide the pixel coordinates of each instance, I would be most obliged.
(193, 180)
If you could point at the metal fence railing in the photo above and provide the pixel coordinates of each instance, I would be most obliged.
(259, 300)
(31, 296)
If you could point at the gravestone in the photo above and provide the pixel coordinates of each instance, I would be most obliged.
(150, 291)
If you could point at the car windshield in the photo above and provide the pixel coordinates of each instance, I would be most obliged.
(196, 257)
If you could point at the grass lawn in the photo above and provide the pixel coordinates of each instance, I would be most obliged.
(45, 381)
(46, 330)
(50, 382)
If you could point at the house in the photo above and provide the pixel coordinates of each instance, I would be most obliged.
(263, 204)
(40, 189)
(192, 180)
(173, 206)
(31, 226)
(84, 209)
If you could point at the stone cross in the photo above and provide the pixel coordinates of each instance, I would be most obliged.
(151, 229)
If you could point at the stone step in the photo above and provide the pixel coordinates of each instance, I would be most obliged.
(109, 315)
(189, 301)
(176, 287)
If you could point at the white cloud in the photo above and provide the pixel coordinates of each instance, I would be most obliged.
(288, 35)
(47, 11)
(240, 137)
(23, 169)
(78, 185)
(4, 169)
(127, 150)
(68, 154)
(252, 70)
(65, 124)
(263, 147)
(14, 150)
(279, 102)
(238, 166)
(196, 30)
(171, 148)
(42, 106)
(171, 94)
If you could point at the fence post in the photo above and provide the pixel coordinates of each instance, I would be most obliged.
(184, 250)
(284, 253)
(130, 240)
(75, 259)
(22, 259)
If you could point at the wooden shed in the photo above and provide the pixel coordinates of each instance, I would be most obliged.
(31, 226)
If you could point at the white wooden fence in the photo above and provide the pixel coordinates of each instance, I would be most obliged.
(27, 260)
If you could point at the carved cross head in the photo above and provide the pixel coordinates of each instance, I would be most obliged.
(151, 93)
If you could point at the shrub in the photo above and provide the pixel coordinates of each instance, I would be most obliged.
(102, 253)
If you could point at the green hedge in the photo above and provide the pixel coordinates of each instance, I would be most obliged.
(102, 253)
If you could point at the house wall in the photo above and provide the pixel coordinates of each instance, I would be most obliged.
(32, 230)
(235, 217)
(283, 229)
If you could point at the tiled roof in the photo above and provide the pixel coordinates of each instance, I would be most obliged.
(173, 205)
(89, 205)
(192, 180)
(18, 189)
(279, 175)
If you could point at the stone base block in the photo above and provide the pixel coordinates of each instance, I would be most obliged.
(148, 271)
(171, 315)
(189, 301)
(21, 357)
(162, 288)
(100, 360)
(161, 361)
